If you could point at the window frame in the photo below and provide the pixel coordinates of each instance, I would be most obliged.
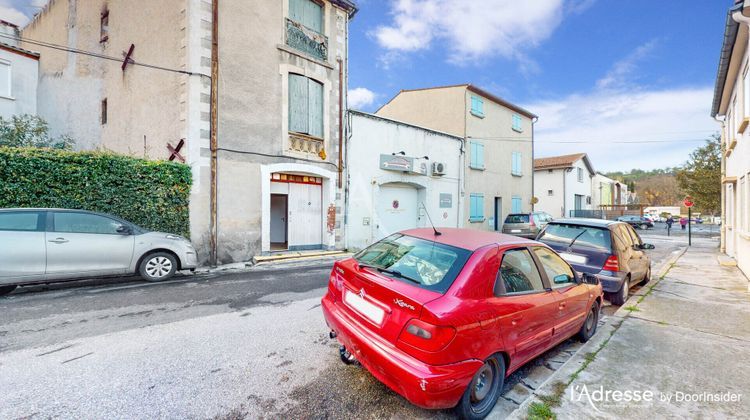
(308, 103)
(550, 193)
(10, 79)
(498, 278)
(104, 110)
(543, 272)
(579, 174)
(479, 164)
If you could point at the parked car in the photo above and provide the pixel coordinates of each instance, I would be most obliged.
(443, 319)
(44, 245)
(611, 250)
(526, 225)
(696, 220)
(636, 221)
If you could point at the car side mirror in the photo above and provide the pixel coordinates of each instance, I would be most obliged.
(124, 230)
(562, 279)
(647, 246)
(589, 278)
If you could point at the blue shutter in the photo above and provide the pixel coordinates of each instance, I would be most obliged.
(476, 207)
(477, 155)
(315, 108)
(477, 106)
(517, 207)
(297, 10)
(307, 13)
(298, 104)
(480, 156)
(517, 163)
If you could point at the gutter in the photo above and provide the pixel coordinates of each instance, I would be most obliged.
(730, 37)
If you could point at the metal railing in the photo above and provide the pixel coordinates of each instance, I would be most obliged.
(306, 40)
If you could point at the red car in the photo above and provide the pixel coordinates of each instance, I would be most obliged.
(442, 318)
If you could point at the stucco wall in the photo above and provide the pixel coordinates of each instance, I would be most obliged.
(441, 109)
(545, 181)
(24, 79)
(371, 137)
(573, 187)
(495, 132)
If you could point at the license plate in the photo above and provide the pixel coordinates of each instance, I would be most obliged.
(515, 231)
(577, 259)
(370, 311)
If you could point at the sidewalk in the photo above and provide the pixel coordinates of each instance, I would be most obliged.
(678, 349)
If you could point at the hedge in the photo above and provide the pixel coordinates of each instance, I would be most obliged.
(152, 194)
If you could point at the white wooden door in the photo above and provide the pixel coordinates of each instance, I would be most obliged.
(305, 218)
(397, 209)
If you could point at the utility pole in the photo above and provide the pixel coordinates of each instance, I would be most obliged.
(214, 126)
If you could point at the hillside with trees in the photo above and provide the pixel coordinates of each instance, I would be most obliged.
(658, 187)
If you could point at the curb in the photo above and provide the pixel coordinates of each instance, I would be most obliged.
(577, 361)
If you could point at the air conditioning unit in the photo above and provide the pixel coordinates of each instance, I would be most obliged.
(438, 168)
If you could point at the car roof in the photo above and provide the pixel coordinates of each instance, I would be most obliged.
(48, 209)
(470, 239)
(601, 223)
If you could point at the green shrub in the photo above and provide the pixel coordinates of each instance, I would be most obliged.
(152, 194)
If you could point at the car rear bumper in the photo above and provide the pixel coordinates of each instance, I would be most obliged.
(611, 281)
(426, 386)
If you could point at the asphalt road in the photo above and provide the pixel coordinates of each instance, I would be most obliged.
(244, 344)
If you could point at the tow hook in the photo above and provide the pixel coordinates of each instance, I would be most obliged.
(347, 357)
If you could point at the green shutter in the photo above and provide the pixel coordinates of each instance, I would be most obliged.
(297, 10)
(307, 13)
(315, 109)
(298, 103)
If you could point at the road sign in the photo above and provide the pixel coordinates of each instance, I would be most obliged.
(688, 202)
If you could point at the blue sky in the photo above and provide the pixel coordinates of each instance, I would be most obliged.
(597, 72)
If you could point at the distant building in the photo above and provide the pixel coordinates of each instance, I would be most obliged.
(606, 191)
(19, 73)
(563, 185)
(283, 69)
(731, 105)
(401, 176)
(499, 139)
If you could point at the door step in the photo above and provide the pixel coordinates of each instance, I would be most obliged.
(297, 255)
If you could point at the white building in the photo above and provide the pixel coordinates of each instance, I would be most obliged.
(606, 191)
(563, 185)
(19, 74)
(394, 168)
(731, 106)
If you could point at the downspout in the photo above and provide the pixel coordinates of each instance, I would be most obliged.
(213, 221)
(347, 133)
(341, 121)
(723, 229)
(533, 196)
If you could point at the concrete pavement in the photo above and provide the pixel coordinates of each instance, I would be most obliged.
(681, 344)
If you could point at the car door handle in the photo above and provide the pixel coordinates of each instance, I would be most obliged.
(562, 306)
(515, 321)
(59, 241)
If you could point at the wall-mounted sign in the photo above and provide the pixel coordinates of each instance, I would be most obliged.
(396, 163)
(446, 200)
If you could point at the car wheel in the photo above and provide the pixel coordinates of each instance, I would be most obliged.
(621, 296)
(644, 226)
(483, 390)
(4, 290)
(647, 277)
(158, 266)
(588, 329)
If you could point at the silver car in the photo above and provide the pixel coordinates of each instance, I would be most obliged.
(43, 245)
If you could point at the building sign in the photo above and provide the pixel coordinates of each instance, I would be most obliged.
(446, 200)
(396, 163)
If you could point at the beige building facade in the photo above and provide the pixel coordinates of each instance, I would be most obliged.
(731, 107)
(281, 95)
(498, 146)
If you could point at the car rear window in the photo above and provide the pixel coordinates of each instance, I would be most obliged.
(589, 236)
(430, 265)
(517, 218)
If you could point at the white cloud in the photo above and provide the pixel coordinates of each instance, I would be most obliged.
(621, 72)
(472, 29)
(10, 14)
(361, 97)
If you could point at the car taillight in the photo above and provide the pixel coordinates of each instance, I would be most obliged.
(426, 336)
(612, 264)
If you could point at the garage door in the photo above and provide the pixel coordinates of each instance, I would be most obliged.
(305, 216)
(397, 208)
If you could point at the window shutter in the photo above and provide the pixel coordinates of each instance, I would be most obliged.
(298, 103)
(315, 95)
(473, 151)
(480, 155)
(314, 16)
(297, 10)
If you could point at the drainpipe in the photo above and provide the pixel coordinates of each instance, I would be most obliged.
(722, 231)
(533, 121)
(213, 221)
(341, 121)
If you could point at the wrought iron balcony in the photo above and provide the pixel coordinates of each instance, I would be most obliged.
(306, 40)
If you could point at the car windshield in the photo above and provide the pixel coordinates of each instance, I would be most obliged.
(517, 218)
(428, 264)
(589, 236)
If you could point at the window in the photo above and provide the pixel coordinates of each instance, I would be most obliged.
(305, 106)
(580, 174)
(476, 160)
(476, 207)
(558, 271)
(429, 265)
(568, 234)
(20, 221)
(307, 13)
(517, 218)
(550, 193)
(518, 274)
(516, 205)
(517, 164)
(477, 106)
(104, 111)
(104, 26)
(85, 223)
(517, 123)
(746, 92)
(5, 79)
